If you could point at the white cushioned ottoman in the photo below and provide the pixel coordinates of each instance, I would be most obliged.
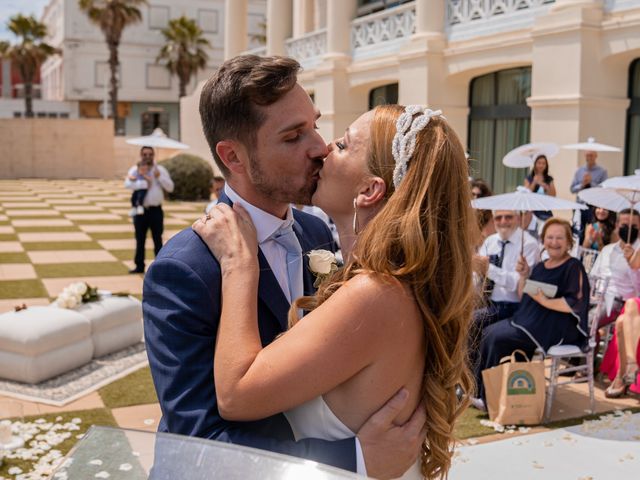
(41, 342)
(116, 323)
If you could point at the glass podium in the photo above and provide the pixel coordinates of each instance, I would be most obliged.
(119, 454)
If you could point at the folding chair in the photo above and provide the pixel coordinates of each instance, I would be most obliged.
(560, 355)
(588, 257)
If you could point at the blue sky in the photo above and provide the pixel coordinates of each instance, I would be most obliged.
(8, 8)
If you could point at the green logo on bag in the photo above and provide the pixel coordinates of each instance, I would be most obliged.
(520, 382)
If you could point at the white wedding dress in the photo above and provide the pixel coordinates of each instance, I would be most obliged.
(315, 419)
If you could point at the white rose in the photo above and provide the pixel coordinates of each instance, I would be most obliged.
(321, 261)
(72, 301)
(79, 288)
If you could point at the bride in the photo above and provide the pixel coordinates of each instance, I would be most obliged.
(396, 316)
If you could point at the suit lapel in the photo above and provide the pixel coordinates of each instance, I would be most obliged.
(269, 291)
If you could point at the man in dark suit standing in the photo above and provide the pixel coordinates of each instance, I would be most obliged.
(261, 127)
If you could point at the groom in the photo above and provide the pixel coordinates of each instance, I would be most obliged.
(261, 128)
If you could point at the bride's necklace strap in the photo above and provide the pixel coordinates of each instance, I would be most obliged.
(404, 141)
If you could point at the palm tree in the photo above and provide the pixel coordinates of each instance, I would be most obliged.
(28, 54)
(113, 16)
(183, 50)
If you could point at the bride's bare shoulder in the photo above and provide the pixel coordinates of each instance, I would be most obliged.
(379, 294)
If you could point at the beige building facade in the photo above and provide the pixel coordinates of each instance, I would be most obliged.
(505, 72)
(148, 95)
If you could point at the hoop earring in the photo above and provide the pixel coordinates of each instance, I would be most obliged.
(355, 217)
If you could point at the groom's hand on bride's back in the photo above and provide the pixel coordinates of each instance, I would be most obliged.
(390, 450)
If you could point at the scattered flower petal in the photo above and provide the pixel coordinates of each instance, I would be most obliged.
(125, 467)
(102, 474)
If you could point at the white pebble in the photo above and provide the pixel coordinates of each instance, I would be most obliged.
(125, 467)
(102, 474)
(95, 461)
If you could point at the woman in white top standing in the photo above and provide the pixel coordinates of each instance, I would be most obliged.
(396, 316)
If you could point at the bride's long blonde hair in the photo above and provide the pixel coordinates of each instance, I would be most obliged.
(423, 236)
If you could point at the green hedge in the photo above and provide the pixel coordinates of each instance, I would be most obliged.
(191, 175)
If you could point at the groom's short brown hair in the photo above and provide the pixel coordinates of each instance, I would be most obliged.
(229, 98)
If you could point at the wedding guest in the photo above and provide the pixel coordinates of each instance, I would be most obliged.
(500, 253)
(614, 262)
(480, 189)
(601, 231)
(587, 176)
(152, 217)
(620, 362)
(539, 181)
(541, 322)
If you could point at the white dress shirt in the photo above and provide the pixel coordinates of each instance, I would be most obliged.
(266, 225)
(276, 255)
(624, 282)
(506, 278)
(155, 193)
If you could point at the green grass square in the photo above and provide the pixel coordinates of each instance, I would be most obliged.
(62, 270)
(134, 389)
(128, 254)
(112, 235)
(14, 257)
(22, 289)
(52, 229)
(98, 221)
(38, 246)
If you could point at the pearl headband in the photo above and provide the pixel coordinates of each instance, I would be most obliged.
(404, 141)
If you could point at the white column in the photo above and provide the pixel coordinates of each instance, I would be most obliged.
(319, 14)
(302, 17)
(235, 27)
(339, 16)
(279, 20)
(430, 16)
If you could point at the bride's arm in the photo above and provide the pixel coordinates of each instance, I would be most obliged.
(324, 349)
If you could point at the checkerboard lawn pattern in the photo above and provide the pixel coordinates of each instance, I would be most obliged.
(55, 232)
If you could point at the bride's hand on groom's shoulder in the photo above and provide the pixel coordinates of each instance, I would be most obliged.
(230, 235)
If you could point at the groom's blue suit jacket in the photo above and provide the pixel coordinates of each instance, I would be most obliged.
(181, 307)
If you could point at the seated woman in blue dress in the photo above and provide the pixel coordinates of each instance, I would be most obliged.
(541, 322)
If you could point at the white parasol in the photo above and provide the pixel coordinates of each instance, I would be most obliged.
(615, 194)
(158, 139)
(608, 198)
(524, 200)
(592, 146)
(524, 155)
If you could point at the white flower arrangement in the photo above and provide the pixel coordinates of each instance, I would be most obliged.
(322, 263)
(76, 294)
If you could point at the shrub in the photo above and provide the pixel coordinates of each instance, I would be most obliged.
(191, 176)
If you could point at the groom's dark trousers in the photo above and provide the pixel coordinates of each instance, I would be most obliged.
(181, 309)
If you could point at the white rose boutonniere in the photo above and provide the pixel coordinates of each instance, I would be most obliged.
(322, 263)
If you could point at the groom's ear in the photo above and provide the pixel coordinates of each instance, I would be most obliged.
(372, 192)
(232, 155)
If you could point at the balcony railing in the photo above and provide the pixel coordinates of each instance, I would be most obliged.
(471, 18)
(309, 48)
(382, 32)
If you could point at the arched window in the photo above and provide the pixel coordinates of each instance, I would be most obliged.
(385, 95)
(632, 157)
(499, 120)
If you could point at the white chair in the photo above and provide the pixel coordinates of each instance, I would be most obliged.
(588, 257)
(560, 355)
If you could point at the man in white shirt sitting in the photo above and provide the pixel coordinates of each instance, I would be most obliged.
(498, 257)
(613, 262)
